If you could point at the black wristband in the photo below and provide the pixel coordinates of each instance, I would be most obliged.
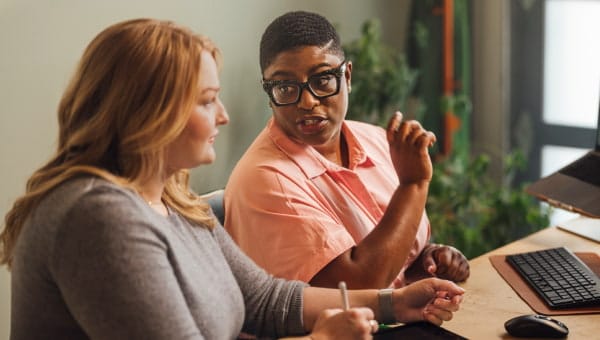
(386, 306)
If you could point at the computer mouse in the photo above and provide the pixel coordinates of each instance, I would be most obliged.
(536, 326)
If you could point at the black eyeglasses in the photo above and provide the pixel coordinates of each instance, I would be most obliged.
(320, 85)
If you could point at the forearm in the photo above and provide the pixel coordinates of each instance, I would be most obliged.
(395, 234)
(378, 258)
(317, 299)
(433, 299)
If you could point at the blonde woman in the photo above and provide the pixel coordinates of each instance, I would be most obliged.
(108, 240)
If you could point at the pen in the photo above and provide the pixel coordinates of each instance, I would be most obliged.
(344, 291)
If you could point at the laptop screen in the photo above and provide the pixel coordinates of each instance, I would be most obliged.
(598, 131)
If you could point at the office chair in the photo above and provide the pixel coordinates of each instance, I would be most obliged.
(215, 199)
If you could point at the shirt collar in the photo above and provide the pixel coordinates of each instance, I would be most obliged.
(311, 162)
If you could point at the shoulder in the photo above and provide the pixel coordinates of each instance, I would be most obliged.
(365, 130)
(371, 137)
(87, 191)
(267, 181)
(85, 213)
(265, 161)
(89, 204)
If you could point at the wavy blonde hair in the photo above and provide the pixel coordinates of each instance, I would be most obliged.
(131, 95)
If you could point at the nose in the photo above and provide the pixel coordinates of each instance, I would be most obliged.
(307, 100)
(222, 116)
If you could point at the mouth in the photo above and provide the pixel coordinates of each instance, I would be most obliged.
(307, 121)
(311, 125)
(212, 138)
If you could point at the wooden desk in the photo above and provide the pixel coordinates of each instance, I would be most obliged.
(490, 301)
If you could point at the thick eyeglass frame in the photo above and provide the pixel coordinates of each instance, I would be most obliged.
(338, 72)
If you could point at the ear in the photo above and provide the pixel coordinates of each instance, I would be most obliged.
(349, 75)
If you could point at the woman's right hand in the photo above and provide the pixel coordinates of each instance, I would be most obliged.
(355, 323)
(409, 143)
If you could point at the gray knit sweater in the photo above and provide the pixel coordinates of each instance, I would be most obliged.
(96, 261)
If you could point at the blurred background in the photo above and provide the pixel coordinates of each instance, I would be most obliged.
(511, 89)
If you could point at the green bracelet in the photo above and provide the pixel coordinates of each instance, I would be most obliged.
(386, 306)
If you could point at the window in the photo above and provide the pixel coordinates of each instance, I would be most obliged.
(571, 63)
(571, 77)
(555, 83)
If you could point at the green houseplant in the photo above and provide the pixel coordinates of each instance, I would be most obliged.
(382, 80)
(466, 207)
(475, 214)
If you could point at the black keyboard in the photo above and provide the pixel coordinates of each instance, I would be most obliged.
(559, 277)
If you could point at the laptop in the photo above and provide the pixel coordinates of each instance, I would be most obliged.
(575, 187)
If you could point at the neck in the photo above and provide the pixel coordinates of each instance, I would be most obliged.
(336, 152)
(151, 194)
(151, 191)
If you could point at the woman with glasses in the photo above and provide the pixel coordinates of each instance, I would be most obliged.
(322, 199)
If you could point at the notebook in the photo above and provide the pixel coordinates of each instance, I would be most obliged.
(583, 226)
(575, 187)
(417, 330)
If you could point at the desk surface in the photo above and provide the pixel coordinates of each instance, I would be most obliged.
(490, 301)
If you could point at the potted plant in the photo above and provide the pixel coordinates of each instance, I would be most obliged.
(467, 209)
(382, 80)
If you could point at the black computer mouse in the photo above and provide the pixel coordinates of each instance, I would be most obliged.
(536, 326)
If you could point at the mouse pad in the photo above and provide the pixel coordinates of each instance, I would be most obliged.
(529, 295)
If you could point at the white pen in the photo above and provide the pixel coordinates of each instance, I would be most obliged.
(344, 291)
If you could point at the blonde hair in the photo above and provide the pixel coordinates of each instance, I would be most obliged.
(131, 95)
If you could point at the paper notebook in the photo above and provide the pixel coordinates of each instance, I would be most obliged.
(584, 227)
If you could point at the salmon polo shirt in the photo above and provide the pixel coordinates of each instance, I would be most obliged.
(293, 211)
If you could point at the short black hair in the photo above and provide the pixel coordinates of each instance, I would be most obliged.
(295, 29)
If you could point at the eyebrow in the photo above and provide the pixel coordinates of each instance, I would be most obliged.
(311, 71)
(213, 89)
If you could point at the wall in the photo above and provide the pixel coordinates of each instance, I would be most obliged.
(42, 41)
(491, 81)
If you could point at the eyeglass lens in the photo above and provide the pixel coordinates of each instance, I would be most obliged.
(319, 85)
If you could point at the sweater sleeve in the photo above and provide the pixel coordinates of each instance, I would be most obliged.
(111, 267)
(273, 306)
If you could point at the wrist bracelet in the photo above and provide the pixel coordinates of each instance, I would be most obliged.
(386, 306)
